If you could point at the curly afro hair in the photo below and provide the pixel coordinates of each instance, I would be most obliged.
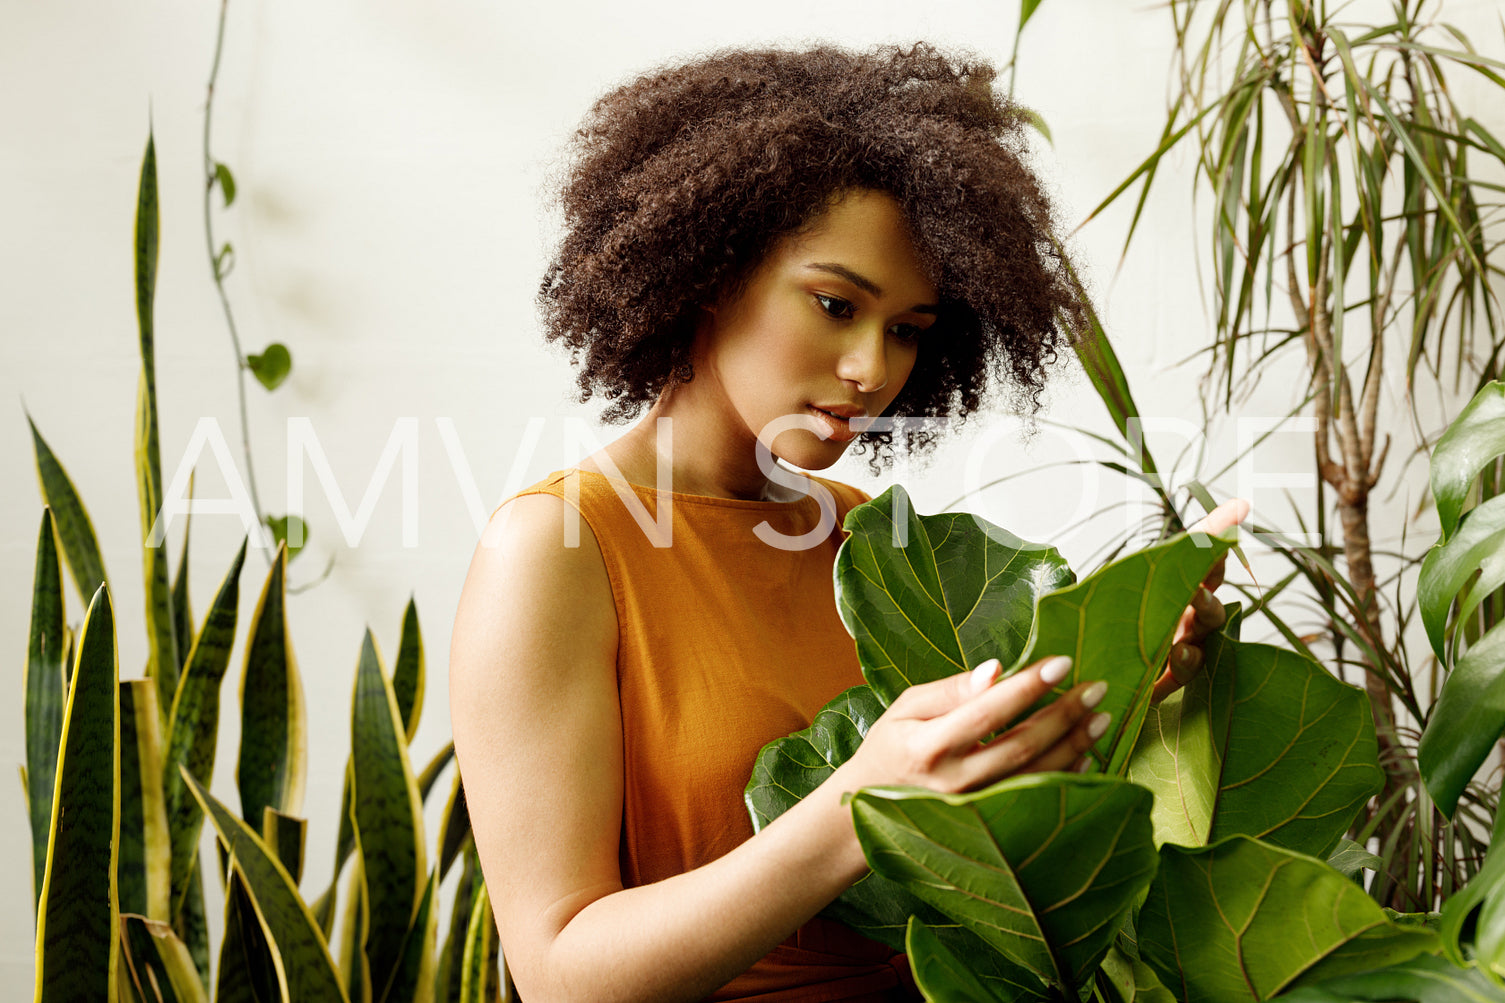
(683, 179)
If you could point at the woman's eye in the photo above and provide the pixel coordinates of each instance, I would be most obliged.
(834, 305)
(907, 332)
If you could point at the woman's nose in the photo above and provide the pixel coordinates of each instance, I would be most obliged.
(865, 360)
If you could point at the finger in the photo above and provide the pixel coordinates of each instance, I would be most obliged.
(1164, 686)
(1207, 613)
(1027, 741)
(993, 709)
(1185, 662)
(933, 699)
(1230, 513)
(1071, 750)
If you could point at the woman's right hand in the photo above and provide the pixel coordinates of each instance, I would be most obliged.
(935, 734)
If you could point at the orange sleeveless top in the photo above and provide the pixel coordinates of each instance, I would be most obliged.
(725, 643)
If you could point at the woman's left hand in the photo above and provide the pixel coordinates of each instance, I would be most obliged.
(1205, 613)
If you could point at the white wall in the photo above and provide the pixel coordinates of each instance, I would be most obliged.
(391, 158)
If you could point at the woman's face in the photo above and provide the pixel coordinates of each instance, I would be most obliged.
(825, 331)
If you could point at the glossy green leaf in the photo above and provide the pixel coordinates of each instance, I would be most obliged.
(1426, 978)
(271, 366)
(1477, 547)
(285, 835)
(412, 979)
(1027, 9)
(929, 596)
(945, 978)
(75, 531)
(44, 696)
(1264, 743)
(1044, 868)
(161, 641)
(1465, 722)
(408, 672)
(157, 963)
(272, 765)
(303, 958)
(78, 915)
(1243, 920)
(388, 816)
(1473, 440)
(193, 724)
(226, 182)
(145, 852)
(1351, 860)
(1472, 925)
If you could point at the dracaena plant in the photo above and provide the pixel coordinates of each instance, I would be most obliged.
(117, 779)
(1202, 855)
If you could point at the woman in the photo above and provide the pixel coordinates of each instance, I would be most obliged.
(770, 249)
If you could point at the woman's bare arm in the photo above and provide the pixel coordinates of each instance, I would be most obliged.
(538, 735)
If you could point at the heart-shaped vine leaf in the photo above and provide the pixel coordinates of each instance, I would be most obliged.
(1043, 868)
(1264, 743)
(1244, 920)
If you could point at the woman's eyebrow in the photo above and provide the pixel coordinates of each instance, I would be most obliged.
(862, 282)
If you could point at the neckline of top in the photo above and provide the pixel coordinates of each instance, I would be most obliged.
(679, 496)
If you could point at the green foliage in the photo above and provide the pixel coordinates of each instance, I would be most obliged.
(272, 365)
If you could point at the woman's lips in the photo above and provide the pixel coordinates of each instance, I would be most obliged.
(838, 428)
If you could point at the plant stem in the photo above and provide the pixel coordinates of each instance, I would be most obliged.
(219, 277)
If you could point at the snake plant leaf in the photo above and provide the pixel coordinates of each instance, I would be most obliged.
(303, 961)
(161, 641)
(1264, 743)
(945, 978)
(412, 979)
(452, 954)
(75, 531)
(1044, 868)
(158, 963)
(928, 596)
(454, 827)
(1426, 978)
(352, 935)
(193, 724)
(247, 971)
(430, 774)
(478, 971)
(1477, 547)
(182, 610)
(1244, 920)
(285, 835)
(145, 853)
(407, 673)
(1471, 442)
(388, 816)
(191, 923)
(1465, 722)
(78, 915)
(44, 696)
(273, 761)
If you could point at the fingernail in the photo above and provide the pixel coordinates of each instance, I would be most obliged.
(1184, 656)
(1098, 725)
(982, 676)
(1080, 766)
(1205, 595)
(1055, 670)
(1094, 694)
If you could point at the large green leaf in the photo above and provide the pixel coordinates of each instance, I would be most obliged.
(1465, 722)
(388, 817)
(412, 978)
(78, 944)
(193, 724)
(1426, 978)
(1264, 743)
(247, 970)
(272, 765)
(74, 529)
(161, 639)
(1044, 868)
(303, 961)
(943, 977)
(157, 963)
(145, 852)
(1473, 918)
(285, 835)
(44, 696)
(408, 672)
(929, 596)
(1243, 920)
(1471, 442)
(1473, 548)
